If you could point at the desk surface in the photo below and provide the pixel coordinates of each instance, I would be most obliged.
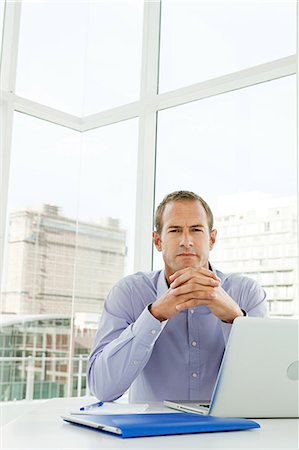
(42, 428)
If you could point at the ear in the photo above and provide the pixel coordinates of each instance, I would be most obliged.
(213, 236)
(157, 241)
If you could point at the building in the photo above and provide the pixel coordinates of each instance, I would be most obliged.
(257, 236)
(35, 355)
(55, 264)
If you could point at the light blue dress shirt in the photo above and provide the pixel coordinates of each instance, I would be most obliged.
(176, 359)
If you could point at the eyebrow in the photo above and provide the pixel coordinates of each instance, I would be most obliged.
(178, 227)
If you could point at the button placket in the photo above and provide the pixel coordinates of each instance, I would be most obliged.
(194, 367)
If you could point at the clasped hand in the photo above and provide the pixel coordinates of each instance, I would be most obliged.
(192, 287)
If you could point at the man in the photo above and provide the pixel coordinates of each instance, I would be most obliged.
(162, 334)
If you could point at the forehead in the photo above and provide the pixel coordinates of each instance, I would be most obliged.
(185, 212)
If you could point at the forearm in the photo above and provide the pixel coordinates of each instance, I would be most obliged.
(112, 369)
(254, 305)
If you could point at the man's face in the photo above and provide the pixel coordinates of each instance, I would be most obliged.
(185, 240)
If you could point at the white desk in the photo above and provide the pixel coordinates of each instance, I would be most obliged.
(42, 428)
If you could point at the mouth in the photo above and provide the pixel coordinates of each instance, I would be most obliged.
(186, 254)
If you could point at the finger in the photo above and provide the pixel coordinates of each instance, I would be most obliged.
(192, 303)
(208, 297)
(178, 273)
(192, 270)
(199, 280)
(195, 289)
(198, 276)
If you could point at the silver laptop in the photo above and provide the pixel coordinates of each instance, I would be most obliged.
(259, 373)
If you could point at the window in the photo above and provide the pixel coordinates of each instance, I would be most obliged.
(65, 220)
(213, 141)
(92, 60)
(102, 116)
(201, 40)
(104, 160)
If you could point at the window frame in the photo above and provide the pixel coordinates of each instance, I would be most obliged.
(146, 109)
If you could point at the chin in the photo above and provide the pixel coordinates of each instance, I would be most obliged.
(186, 264)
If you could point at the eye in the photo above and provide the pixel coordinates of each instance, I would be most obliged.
(198, 230)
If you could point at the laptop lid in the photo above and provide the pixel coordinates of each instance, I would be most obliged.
(258, 376)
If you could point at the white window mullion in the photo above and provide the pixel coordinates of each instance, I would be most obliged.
(34, 109)
(12, 14)
(147, 136)
(237, 80)
(297, 287)
(110, 116)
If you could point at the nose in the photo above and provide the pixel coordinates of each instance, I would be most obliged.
(186, 239)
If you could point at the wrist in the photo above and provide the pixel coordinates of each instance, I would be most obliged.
(242, 313)
(154, 312)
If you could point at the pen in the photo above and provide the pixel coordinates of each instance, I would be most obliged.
(93, 405)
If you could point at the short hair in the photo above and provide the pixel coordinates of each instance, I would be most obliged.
(177, 196)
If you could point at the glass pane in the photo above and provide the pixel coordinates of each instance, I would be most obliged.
(207, 39)
(238, 151)
(88, 62)
(39, 261)
(108, 180)
(70, 238)
(45, 165)
(106, 214)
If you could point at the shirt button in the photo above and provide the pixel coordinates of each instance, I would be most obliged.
(194, 343)
(194, 375)
(191, 311)
(135, 362)
(153, 331)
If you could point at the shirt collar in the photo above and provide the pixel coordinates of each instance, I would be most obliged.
(219, 274)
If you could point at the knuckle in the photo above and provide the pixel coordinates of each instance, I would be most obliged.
(175, 292)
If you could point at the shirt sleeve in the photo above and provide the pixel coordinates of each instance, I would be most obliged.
(250, 297)
(122, 346)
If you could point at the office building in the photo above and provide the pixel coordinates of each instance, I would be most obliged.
(257, 236)
(53, 261)
(36, 352)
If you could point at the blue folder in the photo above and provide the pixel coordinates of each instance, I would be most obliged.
(137, 425)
